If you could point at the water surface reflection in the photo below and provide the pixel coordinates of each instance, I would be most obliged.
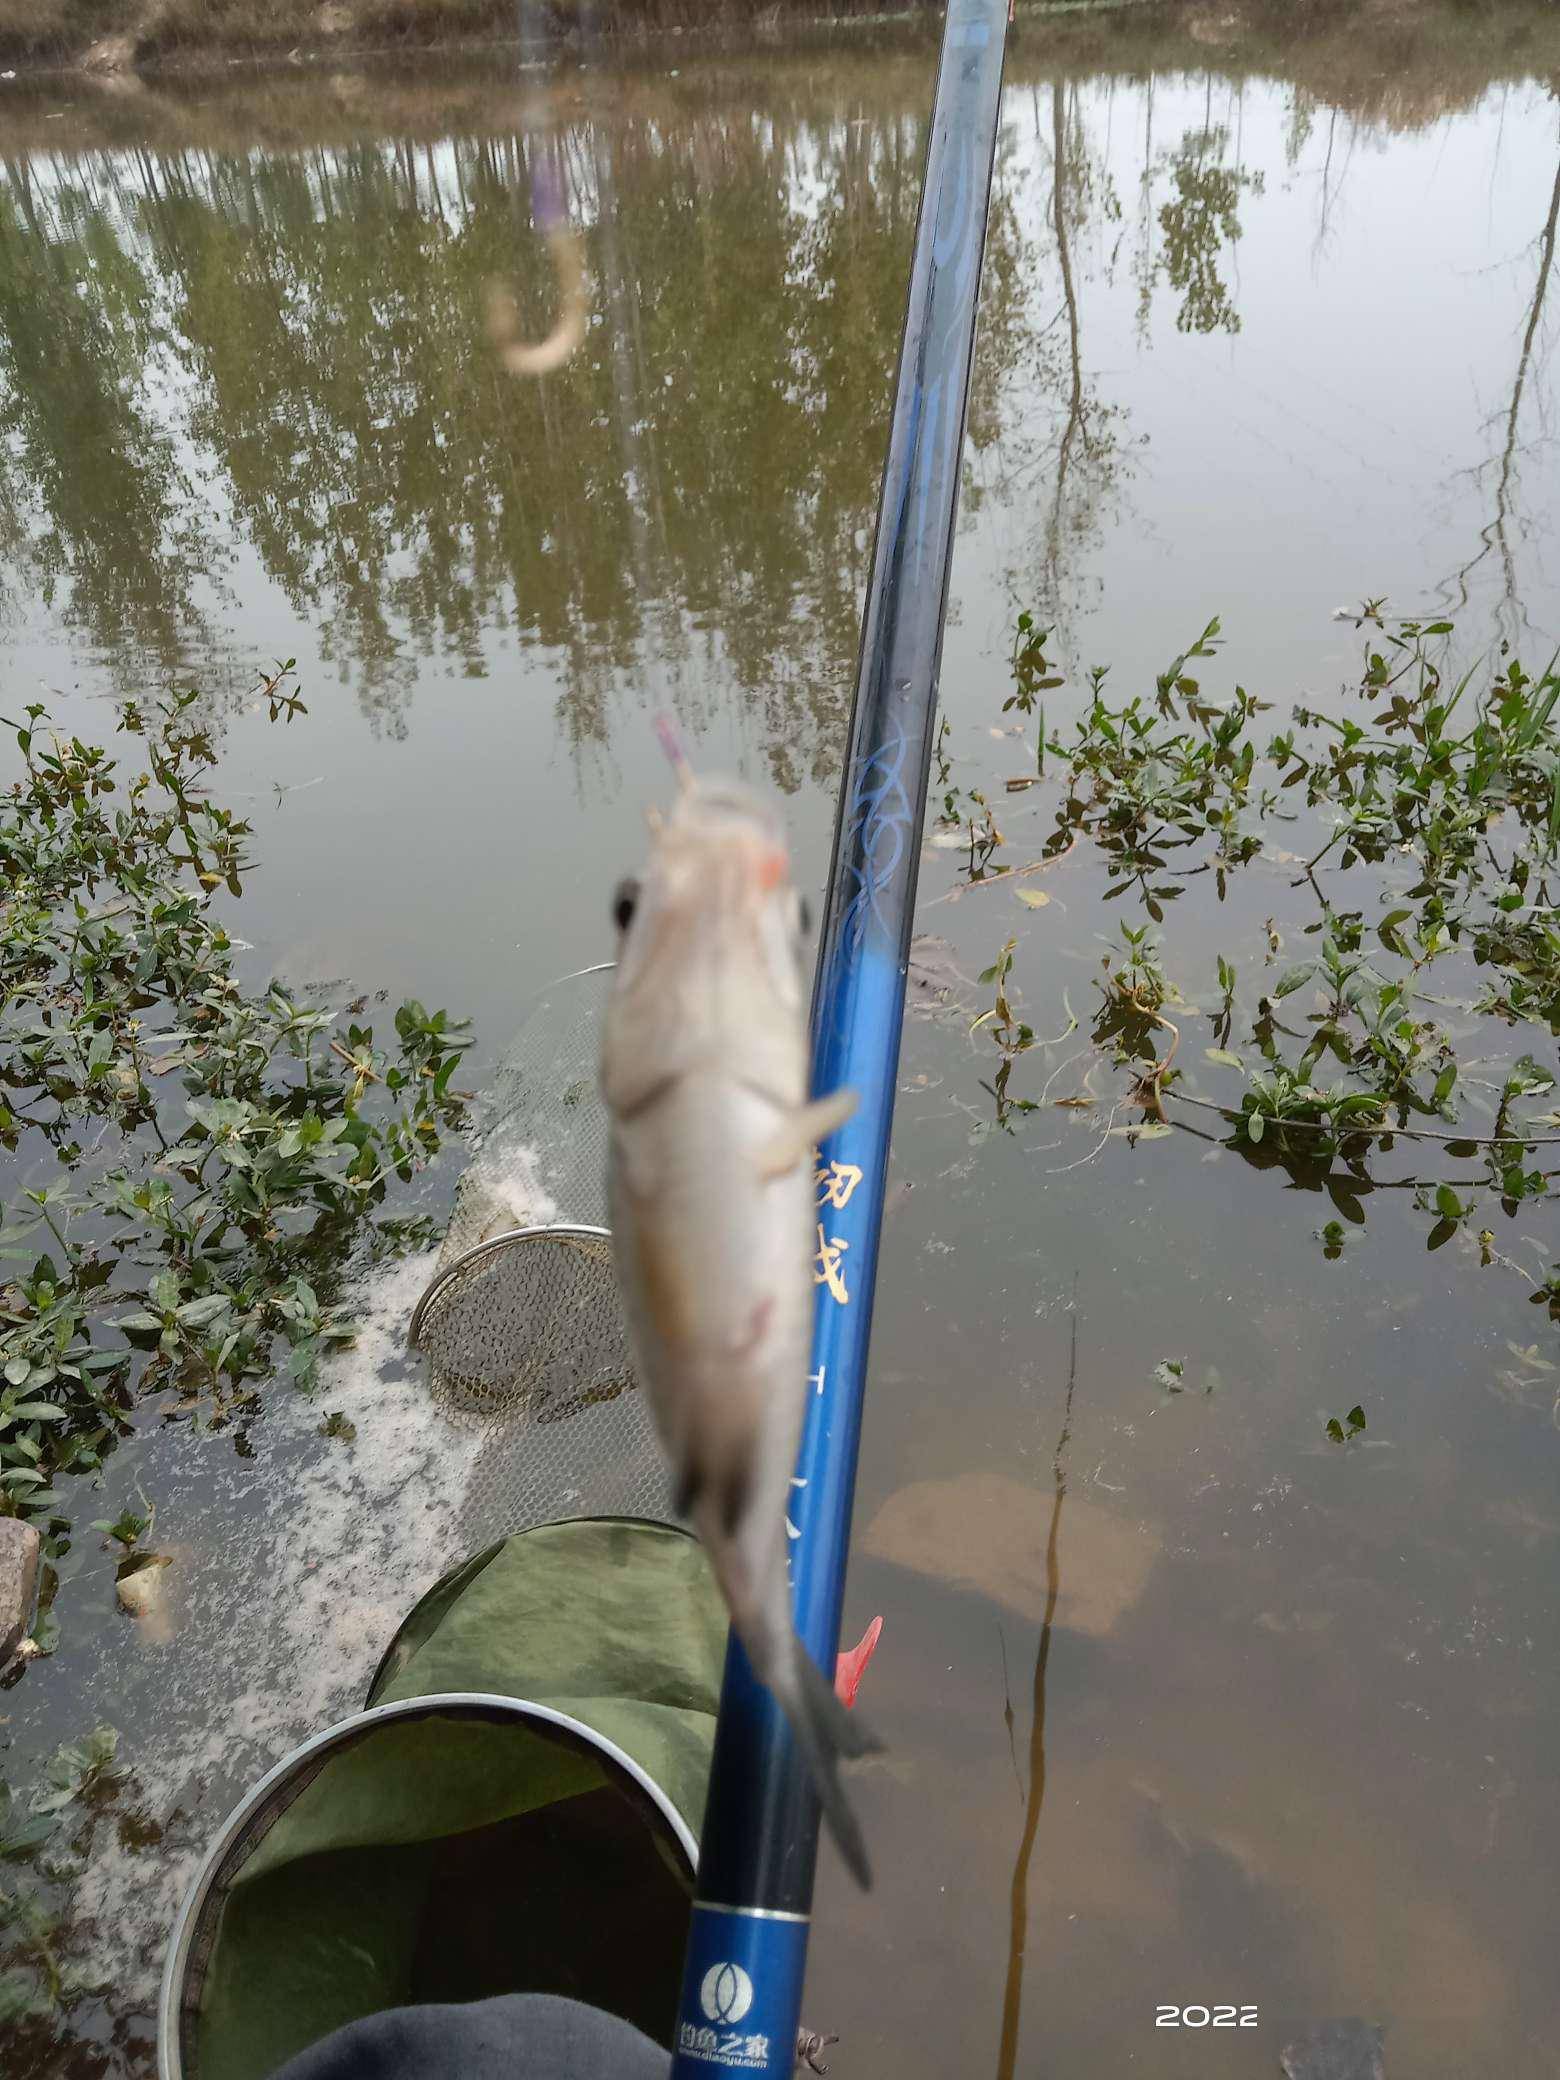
(1267, 328)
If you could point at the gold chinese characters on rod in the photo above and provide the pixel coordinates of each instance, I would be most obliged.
(835, 1182)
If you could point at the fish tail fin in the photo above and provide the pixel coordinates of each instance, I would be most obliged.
(825, 1732)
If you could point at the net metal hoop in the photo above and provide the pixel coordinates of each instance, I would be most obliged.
(557, 1231)
(296, 1770)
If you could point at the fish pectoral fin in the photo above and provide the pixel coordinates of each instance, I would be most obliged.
(802, 1132)
(823, 1115)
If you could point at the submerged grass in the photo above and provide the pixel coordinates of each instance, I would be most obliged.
(41, 1848)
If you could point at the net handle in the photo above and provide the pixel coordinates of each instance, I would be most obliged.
(570, 1231)
(574, 975)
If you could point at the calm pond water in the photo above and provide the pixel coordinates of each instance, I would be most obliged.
(1267, 330)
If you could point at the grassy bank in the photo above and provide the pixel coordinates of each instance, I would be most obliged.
(111, 37)
(118, 35)
(1400, 64)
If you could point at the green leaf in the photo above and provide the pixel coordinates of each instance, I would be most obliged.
(17, 1369)
(1356, 1417)
(1447, 1203)
(1292, 979)
(21, 1995)
(195, 1314)
(1335, 1429)
(26, 1835)
(101, 1746)
(1527, 1079)
(1222, 1054)
(1387, 931)
(164, 1291)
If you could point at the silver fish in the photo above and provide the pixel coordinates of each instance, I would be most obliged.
(704, 1075)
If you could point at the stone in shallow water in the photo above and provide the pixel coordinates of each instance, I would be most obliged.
(990, 1533)
(141, 1587)
(1335, 2051)
(18, 1583)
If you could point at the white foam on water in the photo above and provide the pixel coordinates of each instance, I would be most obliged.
(292, 1571)
(501, 1189)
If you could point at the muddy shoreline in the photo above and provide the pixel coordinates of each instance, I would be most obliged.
(117, 42)
(113, 39)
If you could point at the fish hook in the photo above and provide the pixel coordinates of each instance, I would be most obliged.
(810, 2043)
(540, 357)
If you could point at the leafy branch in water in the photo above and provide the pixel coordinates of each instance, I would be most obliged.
(1426, 813)
(212, 1157)
(1012, 1036)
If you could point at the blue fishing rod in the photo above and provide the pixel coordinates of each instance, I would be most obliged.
(747, 1943)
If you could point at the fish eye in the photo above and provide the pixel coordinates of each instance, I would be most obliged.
(625, 899)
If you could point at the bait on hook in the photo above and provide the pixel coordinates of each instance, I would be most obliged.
(541, 357)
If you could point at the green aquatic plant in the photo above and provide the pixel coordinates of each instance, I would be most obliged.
(1419, 821)
(1012, 1036)
(36, 1971)
(1032, 676)
(128, 1528)
(213, 1153)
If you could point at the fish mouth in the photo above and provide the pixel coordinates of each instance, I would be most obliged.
(721, 801)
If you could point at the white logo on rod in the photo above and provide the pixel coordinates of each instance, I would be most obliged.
(725, 1993)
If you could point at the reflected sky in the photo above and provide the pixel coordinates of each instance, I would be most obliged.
(1244, 353)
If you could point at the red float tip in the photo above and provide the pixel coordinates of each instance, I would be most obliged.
(852, 1665)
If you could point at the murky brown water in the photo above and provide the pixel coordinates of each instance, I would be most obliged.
(1266, 330)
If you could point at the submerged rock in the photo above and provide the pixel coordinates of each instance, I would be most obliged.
(990, 1533)
(139, 1589)
(18, 1584)
(1347, 2050)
